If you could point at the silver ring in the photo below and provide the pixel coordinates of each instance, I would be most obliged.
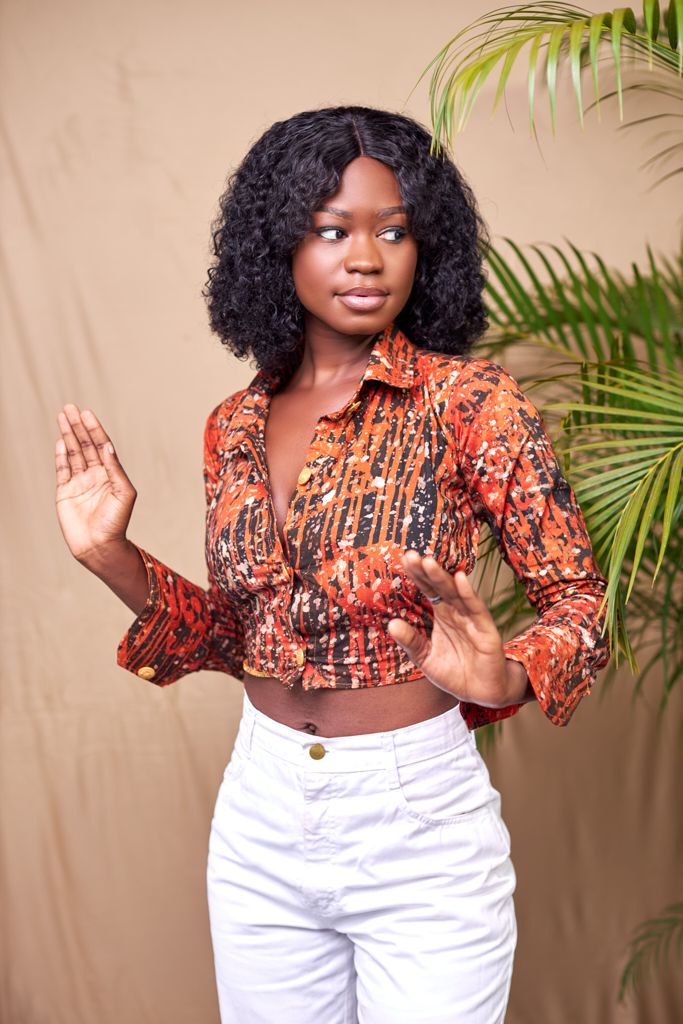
(435, 600)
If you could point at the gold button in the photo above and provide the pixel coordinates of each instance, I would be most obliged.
(300, 658)
(255, 671)
(317, 751)
(147, 672)
(305, 475)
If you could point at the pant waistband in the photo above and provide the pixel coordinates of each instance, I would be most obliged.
(363, 752)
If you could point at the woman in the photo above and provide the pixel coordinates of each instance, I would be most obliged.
(359, 868)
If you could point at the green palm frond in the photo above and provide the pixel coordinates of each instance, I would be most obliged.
(630, 492)
(621, 433)
(651, 943)
(655, 616)
(674, 131)
(487, 736)
(564, 32)
(616, 384)
(577, 307)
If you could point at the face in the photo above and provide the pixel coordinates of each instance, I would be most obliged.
(354, 269)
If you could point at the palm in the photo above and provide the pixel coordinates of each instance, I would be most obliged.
(464, 654)
(463, 650)
(90, 513)
(94, 497)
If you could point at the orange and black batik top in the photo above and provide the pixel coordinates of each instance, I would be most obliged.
(428, 448)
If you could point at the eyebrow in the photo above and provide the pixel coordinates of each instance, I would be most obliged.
(386, 212)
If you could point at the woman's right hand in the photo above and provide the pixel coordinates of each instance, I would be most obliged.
(94, 496)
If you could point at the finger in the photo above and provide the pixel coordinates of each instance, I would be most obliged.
(115, 471)
(88, 448)
(469, 598)
(105, 448)
(430, 577)
(466, 591)
(73, 446)
(456, 591)
(416, 645)
(62, 467)
(98, 435)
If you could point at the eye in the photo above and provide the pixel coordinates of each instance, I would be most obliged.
(324, 233)
(321, 232)
(401, 233)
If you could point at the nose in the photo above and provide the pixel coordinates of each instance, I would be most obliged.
(363, 255)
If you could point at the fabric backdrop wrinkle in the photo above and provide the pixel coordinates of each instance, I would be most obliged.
(119, 124)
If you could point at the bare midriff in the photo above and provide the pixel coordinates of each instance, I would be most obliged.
(330, 712)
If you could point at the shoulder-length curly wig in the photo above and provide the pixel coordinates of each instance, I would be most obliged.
(267, 208)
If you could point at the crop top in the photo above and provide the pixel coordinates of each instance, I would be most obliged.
(429, 446)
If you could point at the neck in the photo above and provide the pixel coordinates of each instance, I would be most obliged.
(330, 358)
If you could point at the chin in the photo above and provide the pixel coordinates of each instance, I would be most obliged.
(362, 321)
(365, 325)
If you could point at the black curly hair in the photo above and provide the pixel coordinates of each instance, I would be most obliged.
(267, 206)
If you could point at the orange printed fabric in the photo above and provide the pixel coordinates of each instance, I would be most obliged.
(428, 448)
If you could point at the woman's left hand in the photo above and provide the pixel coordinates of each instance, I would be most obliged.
(464, 654)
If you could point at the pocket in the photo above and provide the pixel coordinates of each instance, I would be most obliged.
(236, 765)
(501, 827)
(446, 789)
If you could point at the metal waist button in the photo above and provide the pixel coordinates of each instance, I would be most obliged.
(317, 751)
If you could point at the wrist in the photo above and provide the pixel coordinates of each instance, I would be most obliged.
(518, 686)
(121, 565)
(104, 556)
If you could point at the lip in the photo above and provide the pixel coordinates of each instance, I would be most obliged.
(363, 291)
(363, 298)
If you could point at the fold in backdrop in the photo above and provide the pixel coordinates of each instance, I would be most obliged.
(120, 122)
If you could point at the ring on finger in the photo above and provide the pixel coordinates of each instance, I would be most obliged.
(434, 600)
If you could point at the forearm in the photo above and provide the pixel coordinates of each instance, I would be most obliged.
(121, 567)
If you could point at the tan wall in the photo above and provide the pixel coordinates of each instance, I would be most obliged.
(120, 122)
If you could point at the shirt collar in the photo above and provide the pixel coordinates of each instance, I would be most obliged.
(392, 361)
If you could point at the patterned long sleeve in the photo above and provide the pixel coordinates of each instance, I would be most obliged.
(183, 627)
(518, 489)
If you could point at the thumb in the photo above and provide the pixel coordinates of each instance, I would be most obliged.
(417, 646)
(118, 477)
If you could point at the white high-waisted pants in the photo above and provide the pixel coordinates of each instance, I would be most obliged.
(370, 885)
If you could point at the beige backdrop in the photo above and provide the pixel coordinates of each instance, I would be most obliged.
(120, 121)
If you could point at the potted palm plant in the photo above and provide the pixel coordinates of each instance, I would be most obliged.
(612, 343)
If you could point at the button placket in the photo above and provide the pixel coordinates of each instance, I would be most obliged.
(308, 472)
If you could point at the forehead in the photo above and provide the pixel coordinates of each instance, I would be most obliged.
(365, 183)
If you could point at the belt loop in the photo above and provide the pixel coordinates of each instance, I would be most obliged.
(455, 726)
(390, 760)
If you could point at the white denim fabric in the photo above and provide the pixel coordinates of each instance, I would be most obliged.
(370, 886)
